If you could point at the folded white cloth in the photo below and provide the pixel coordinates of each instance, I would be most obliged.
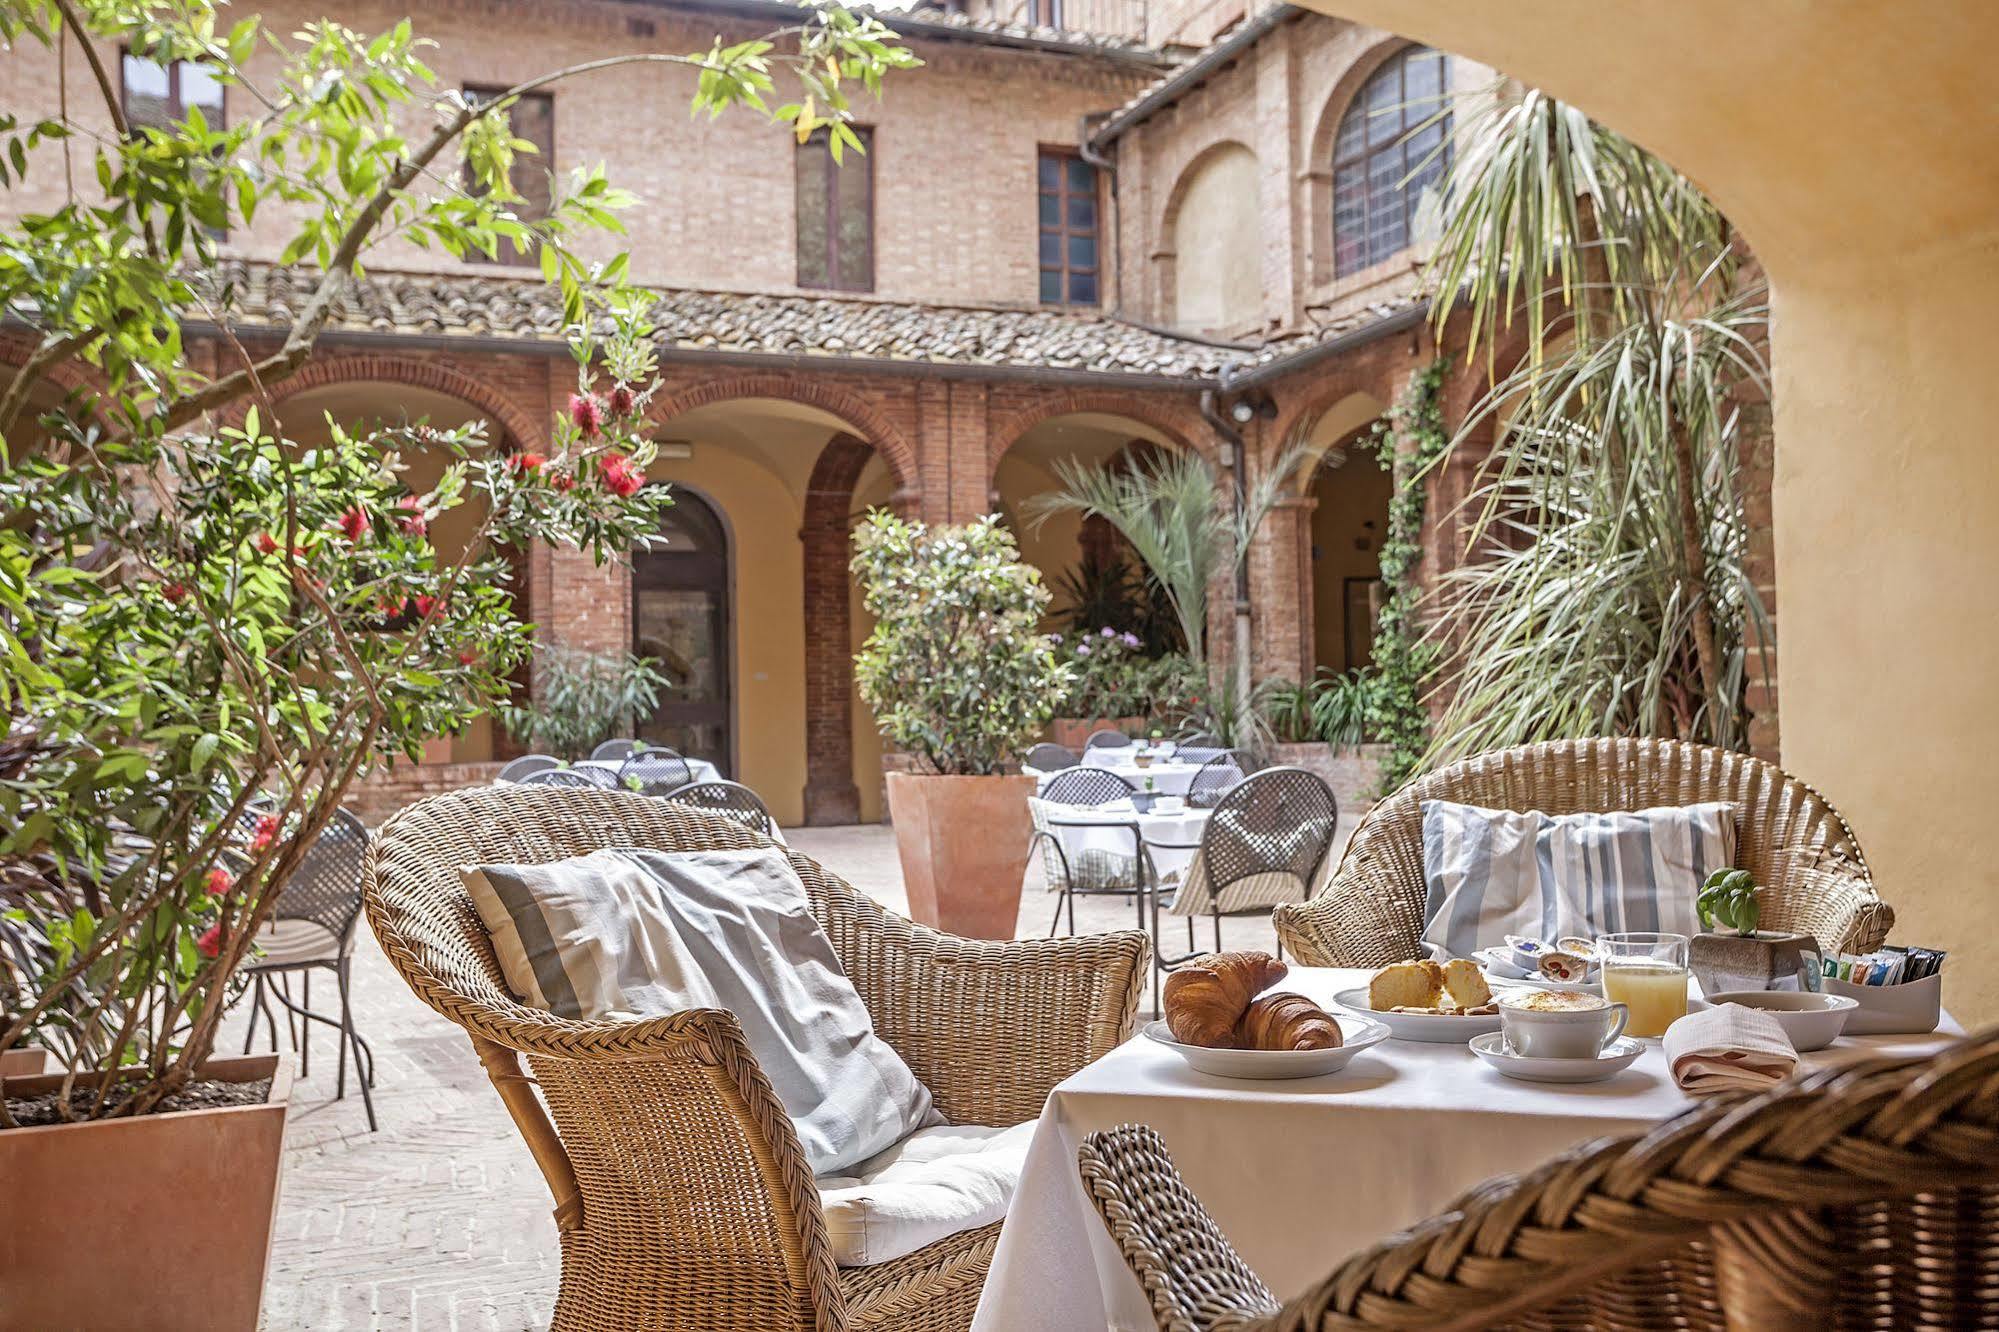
(1728, 1048)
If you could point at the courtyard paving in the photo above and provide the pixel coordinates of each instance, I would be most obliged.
(440, 1220)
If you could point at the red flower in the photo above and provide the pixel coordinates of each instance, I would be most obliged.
(526, 462)
(210, 942)
(586, 413)
(266, 543)
(264, 833)
(621, 401)
(414, 523)
(174, 592)
(420, 606)
(564, 481)
(620, 476)
(220, 881)
(467, 657)
(353, 524)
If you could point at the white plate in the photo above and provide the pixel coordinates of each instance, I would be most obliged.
(1614, 1059)
(1358, 1034)
(1433, 1028)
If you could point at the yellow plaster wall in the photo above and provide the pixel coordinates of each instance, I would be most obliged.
(1854, 144)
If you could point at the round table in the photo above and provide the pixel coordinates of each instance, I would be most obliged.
(1170, 837)
(1169, 777)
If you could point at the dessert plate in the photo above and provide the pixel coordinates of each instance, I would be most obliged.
(1433, 1028)
(1357, 1033)
(1612, 1060)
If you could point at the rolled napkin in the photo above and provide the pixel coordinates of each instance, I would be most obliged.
(1728, 1048)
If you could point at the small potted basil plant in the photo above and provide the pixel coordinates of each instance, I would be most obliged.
(1733, 954)
(1142, 800)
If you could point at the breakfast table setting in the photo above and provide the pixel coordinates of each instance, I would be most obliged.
(1317, 1110)
(1157, 767)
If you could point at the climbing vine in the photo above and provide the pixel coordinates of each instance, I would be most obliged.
(1406, 442)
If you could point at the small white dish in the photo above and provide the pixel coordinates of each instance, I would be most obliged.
(1812, 1021)
(1430, 1028)
(1357, 1034)
(1612, 1060)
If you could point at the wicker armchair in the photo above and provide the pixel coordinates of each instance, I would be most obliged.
(1856, 1197)
(1797, 846)
(682, 1196)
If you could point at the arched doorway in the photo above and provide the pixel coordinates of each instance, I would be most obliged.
(1350, 493)
(680, 620)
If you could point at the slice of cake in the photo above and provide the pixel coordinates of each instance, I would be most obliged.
(1406, 985)
(1465, 983)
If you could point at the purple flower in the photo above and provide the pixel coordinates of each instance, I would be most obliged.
(1109, 632)
(1082, 649)
(1130, 640)
(1054, 638)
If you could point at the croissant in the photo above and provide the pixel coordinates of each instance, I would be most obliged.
(1205, 1000)
(1288, 1022)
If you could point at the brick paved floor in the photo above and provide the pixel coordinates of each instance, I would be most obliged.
(440, 1220)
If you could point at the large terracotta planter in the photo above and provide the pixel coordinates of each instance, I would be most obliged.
(963, 843)
(159, 1222)
(1074, 732)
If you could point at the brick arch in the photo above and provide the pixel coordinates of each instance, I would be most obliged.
(413, 372)
(856, 411)
(1139, 407)
(69, 376)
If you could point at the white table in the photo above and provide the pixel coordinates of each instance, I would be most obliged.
(1300, 1174)
(1168, 777)
(1171, 837)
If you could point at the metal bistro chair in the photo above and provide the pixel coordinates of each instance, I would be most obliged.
(311, 927)
(1859, 1196)
(1094, 870)
(731, 800)
(1106, 739)
(590, 779)
(655, 772)
(1219, 774)
(1046, 757)
(614, 751)
(1264, 843)
(527, 765)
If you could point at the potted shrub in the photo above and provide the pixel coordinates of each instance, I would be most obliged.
(960, 678)
(1105, 686)
(208, 631)
(1325, 727)
(584, 698)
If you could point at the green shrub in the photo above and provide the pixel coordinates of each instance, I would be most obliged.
(956, 670)
(583, 698)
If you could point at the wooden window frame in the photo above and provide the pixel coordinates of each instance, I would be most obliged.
(862, 167)
(1064, 230)
(510, 254)
(1409, 121)
(1044, 13)
(176, 108)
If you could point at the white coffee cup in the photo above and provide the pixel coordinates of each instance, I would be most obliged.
(1560, 1024)
(1169, 804)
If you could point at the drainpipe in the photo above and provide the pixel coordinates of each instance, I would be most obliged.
(1088, 152)
(1232, 457)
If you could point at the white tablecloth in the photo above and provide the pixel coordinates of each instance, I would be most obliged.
(1111, 833)
(1300, 1174)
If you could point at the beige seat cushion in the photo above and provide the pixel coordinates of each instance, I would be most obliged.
(290, 942)
(933, 1184)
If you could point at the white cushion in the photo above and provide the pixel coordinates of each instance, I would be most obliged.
(931, 1185)
(1494, 872)
(626, 933)
(290, 942)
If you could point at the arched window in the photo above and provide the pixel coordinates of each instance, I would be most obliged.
(1384, 156)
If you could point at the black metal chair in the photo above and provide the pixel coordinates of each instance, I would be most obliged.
(1201, 740)
(612, 751)
(1106, 739)
(590, 779)
(1046, 757)
(1263, 844)
(655, 772)
(527, 765)
(731, 800)
(1218, 776)
(311, 927)
(1094, 871)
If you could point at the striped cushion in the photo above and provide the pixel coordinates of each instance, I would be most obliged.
(1489, 873)
(631, 934)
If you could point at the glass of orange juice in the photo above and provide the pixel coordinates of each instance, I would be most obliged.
(1648, 974)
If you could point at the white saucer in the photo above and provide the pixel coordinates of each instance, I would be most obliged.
(1615, 1058)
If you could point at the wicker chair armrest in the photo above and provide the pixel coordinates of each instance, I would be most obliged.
(991, 1028)
(1359, 919)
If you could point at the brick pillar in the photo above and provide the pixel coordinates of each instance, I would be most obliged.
(586, 606)
(1280, 590)
(830, 793)
(954, 482)
(1758, 448)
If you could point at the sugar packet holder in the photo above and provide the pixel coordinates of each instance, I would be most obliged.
(1890, 965)
(1910, 1003)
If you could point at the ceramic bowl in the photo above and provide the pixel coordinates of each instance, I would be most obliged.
(1812, 1021)
(1357, 1033)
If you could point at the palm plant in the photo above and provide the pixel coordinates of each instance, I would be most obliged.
(1609, 592)
(1170, 509)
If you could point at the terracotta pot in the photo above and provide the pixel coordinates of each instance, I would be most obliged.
(163, 1221)
(963, 843)
(1073, 732)
(23, 1061)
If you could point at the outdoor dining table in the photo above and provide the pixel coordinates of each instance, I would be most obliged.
(1301, 1173)
(1170, 777)
(1171, 836)
(698, 769)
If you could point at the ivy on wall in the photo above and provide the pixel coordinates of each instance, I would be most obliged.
(1407, 441)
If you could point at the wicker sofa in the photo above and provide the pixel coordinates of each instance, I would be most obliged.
(1797, 846)
(1857, 1197)
(682, 1197)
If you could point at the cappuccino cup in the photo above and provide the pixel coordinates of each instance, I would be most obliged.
(1560, 1024)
